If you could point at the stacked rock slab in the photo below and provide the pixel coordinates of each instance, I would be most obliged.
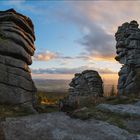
(16, 48)
(128, 54)
(87, 83)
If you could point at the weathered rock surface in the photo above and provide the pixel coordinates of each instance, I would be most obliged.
(132, 125)
(87, 83)
(16, 48)
(58, 126)
(137, 103)
(14, 63)
(121, 109)
(128, 54)
(15, 95)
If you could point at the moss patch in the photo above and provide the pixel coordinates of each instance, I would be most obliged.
(99, 115)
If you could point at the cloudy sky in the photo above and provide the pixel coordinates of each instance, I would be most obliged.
(73, 36)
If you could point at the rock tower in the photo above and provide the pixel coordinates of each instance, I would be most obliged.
(128, 54)
(85, 84)
(16, 48)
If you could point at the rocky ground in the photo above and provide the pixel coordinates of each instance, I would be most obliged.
(58, 126)
(109, 120)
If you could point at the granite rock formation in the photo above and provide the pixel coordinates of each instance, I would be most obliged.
(87, 83)
(16, 48)
(128, 54)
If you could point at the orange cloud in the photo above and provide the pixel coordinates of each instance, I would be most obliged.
(45, 56)
(92, 58)
(52, 76)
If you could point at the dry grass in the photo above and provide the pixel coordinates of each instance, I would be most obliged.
(48, 101)
(51, 97)
(92, 112)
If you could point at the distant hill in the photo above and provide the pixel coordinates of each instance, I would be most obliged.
(52, 85)
(55, 85)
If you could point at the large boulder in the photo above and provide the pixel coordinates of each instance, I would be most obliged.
(121, 109)
(16, 48)
(83, 87)
(128, 54)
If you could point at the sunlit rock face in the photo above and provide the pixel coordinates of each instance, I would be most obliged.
(16, 48)
(87, 83)
(128, 54)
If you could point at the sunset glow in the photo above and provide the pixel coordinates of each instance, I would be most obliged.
(70, 38)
